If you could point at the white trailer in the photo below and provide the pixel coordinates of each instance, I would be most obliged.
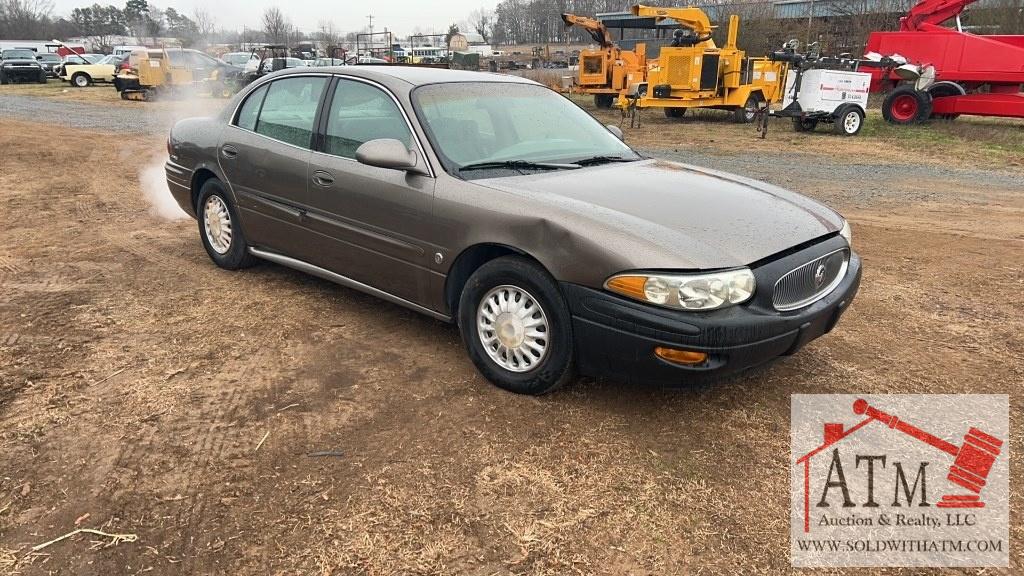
(818, 95)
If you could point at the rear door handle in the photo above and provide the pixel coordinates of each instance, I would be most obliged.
(323, 179)
(228, 152)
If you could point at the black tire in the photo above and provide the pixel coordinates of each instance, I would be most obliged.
(942, 90)
(675, 112)
(748, 112)
(237, 255)
(848, 120)
(905, 105)
(556, 366)
(3, 79)
(604, 100)
(805, 124)
(80, 80)
(42, 77)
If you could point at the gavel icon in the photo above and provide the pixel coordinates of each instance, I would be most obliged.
(972, 460)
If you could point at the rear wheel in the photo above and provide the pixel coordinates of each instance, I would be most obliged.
(516, 327)
(943, 90)
(905, 105)
(218, 227)
(675, 112)
(848, 120)
(748, 112)
(604, 100)
(81, 80)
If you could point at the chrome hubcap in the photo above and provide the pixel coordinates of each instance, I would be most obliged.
(851, 122)
(217, 222)
(513, 328)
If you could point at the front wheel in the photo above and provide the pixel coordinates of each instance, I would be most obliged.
(516, 327)
(906, 105)
(848, 121)
(80, 80)
(604, 100)
(219, 228)
(675, 112)
(805, 124)
(746, 113)
(42, 78)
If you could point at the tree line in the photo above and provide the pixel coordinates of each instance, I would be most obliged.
(539, 21)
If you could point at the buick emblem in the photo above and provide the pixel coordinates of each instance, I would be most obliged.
(819, 275)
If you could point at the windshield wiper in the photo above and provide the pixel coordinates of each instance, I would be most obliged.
(595, 160)
(518, 165)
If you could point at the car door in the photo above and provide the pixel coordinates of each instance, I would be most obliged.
(264, 154)
(378, 220)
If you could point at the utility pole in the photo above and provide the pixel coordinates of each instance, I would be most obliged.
(370, 18)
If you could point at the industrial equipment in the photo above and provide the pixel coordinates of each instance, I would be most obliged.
(821, 90)
(608, 71)
(978, 75)
(695, 73)
(972, 460)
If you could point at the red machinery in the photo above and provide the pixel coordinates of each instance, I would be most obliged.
(978, 75)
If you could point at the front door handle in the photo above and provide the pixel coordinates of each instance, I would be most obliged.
(228, 152)
(323, 179)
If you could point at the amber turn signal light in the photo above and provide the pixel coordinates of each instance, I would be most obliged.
(632, 286)
(687, 357)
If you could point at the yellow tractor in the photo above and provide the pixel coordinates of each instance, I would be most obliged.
(695, 73)
(608, 71)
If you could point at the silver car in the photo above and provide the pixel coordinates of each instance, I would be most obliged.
(494, 202)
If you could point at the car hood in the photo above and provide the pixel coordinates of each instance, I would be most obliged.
(667, 215)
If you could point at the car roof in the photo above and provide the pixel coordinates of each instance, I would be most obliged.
(418, 75)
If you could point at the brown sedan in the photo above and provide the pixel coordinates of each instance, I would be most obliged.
(494, 202)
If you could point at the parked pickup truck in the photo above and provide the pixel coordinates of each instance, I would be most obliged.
(20, 65)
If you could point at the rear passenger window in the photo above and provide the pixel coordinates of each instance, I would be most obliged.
(360, 113)
(251, 109)
(289, 110)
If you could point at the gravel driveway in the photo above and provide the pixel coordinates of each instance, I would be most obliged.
(142, 119)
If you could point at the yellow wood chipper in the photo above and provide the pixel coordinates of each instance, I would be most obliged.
(695, 73)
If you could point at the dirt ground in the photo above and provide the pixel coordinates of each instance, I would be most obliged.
(267, 422)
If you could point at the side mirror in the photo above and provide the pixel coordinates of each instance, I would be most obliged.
(614, 130)
(389, 153)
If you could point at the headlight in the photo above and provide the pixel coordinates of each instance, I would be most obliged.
(847, 233)
(686, 291)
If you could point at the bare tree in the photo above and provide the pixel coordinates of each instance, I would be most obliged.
(205, 25)
(481, 21)
(24, 18)
(328, 33)
(276, 25)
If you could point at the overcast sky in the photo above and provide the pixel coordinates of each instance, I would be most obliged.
(399, 16)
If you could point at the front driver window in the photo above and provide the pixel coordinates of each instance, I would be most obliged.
(360, 113)
(290, 109)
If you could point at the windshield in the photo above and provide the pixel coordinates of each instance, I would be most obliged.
(237, 58)
(109, 59)
(48, 57)
(481, 122)
(18, 54)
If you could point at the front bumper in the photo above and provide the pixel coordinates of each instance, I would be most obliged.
(22, 73)
(616, 336)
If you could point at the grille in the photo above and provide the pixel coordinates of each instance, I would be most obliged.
(810, 282)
